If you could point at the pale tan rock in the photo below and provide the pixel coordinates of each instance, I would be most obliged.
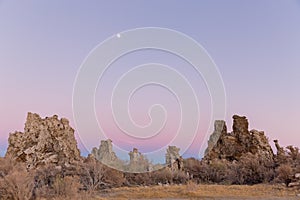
(135, 156)
(105, 153)
(220, 127)
(232, 146)
(44, 141)
(173, 159)
(138, 162)
(293, 184)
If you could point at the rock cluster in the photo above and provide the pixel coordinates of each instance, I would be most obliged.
(232, 146)
(220, 128)
(173, 158)
(44, 141)
(138, 162)
(295, 181)
(105, 153)
(135, 156)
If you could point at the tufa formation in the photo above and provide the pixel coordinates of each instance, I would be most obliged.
(51, 141)
(240, 142)
(138, 162)
(220, 128)
(173, 158)
(105, 153)
(44, 141)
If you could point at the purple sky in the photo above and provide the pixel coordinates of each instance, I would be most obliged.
(255, 44)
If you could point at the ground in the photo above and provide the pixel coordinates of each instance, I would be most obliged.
(194, 191)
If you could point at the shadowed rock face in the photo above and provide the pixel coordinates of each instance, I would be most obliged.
(280, 150)
(172, 154)
(173, 158)
(232, 146)
(220, 128)
(240, 125)
(44, 141)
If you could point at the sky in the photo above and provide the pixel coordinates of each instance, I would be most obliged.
(255, 45)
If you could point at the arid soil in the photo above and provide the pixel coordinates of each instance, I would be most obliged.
(194, 191)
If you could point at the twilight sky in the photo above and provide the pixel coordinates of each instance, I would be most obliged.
(255, 45)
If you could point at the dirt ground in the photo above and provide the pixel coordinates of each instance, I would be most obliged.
(194, 191)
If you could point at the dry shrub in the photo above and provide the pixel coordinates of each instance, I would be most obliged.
(284, 174)
(217, 171)
(94, 176)
(193, 167)
(204, 172)
(248, 170)
(66, 186)
(287, 165)
(52, 182)
(251, 170)
(198, 170)
(138, 179)
(293, 158)
(113, 178)
(293, 153)
(290, 156)
(61, 181)
(63, 187)
(15, 182)
(46, 175)
(180, 177)
(163, 176)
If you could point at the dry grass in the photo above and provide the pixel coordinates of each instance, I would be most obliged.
(194, 191)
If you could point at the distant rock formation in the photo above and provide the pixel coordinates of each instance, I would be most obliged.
(232, 146)
(173, 158)
(138, 162)
(44, 141)
(105, 153)
(280, 150)
(135, 156)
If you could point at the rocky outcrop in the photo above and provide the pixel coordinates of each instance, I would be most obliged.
(280, 150)
(172, 154)
(44, 141)
(138, 162)
(232, 146)
(173, 158)
(240, 125)
(220, 128)
(135, 156)
(105, 153)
